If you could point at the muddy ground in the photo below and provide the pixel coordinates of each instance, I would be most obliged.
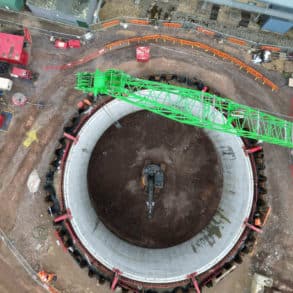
(11, 270)
(192, 180)
(23, 212)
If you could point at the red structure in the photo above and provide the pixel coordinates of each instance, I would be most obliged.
(252, 227)
(21, 73)
(71, 137)
(60, 44)
(27, 35)
(142, 54)
(63, 217)
(116, 279)
(2, 118)
(194, 282)
(12, 49)
(253, 149)
(74, 44)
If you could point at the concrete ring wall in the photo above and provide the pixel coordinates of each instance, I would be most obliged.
(168, 265)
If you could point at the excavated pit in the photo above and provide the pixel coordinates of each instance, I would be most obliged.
(193, 180)
(150, 265)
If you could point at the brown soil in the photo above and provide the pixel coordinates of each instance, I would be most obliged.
(12, 276)
(193, 180)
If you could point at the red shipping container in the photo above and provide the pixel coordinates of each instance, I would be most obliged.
(74, 44)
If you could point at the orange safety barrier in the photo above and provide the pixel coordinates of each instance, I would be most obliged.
(139, 21)
(271, 48)
(111, 23)
(237, 41)
(174, 40)
(151, 38)
(172, 24)
(205, 31)
(135, 40)
(113, 44)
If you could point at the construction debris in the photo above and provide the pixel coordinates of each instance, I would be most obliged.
(33, 182)
(290, 84)
(259, 282)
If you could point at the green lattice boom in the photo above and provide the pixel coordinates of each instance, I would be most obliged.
(189, 106)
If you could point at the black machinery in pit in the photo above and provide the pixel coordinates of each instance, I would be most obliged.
(152, 181)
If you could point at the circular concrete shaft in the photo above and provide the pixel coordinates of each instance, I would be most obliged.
(201, 252)
(192, 180)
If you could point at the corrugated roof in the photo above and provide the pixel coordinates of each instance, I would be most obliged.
(11, 46)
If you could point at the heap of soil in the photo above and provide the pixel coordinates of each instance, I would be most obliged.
(193, 180)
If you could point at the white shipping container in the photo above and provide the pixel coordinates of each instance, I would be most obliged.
(5, 84)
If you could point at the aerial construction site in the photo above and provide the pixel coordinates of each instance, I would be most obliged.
(146, 146)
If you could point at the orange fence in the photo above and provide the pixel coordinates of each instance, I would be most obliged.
(165, 38)
(271, 48)
(205, 31)
(110, 23)
(237, 41)
(172, 24)
(139, 21)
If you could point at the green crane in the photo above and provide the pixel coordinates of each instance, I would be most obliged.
(189, 106)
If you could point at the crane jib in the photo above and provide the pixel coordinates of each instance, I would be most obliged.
(189, 106)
